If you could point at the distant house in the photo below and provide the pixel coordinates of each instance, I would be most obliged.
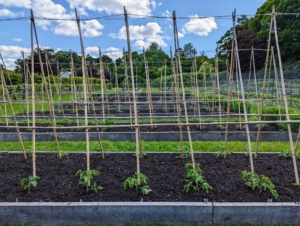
(65, 74)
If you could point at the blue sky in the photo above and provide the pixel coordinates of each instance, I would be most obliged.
(109, 34)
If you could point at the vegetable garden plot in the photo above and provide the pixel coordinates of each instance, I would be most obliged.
(193, 107)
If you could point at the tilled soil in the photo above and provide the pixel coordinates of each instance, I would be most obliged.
(166, 173)
(164, 128)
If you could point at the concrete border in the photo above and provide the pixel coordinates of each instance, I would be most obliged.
(149, 136)
(118, 213)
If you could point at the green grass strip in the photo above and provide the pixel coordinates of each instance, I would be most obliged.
(153, 146)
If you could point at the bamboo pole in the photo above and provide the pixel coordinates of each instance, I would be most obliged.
(75, 88)
(102, 85)
(52, 116)
(263, 88)
(278, 94)
(127, 87)
(4, 103)
(117, 88)
(85, 97)
(218, 83)
(285, 99)
(178, 108)
(137, 138)
(182, 85)
(26, 87)
(165, 85)
(149, 96)
(33, 98)
(243, 94)
(229, 94)
(197, 89)
(12, 111)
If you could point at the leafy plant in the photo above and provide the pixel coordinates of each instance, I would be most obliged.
(262, 182)
(133, 182)
(85, 176)
(285, 154)
(221, 127)
(262, 126)
(186, 152)
(195, 178)
(63, 154)
(26, 183)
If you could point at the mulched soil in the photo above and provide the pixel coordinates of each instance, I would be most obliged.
(166, 173)
(269, 128)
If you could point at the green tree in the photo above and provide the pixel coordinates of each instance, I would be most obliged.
(189, 50)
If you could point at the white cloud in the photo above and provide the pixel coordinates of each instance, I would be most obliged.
(180, 35)
(13, 51)
(159, 4)
(141, 7)
(90, 28)
(17, 39)
(7, 12)
(9, 63)
(167, 13)
(199, 27)
(16, 3)
(112, 52)
(143, 35)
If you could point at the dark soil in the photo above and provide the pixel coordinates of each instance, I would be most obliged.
(206, 128)
(166, 173)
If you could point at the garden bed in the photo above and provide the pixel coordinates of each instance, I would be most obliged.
(166, 173)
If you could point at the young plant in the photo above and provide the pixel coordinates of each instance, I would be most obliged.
(133, 182)
(186, 152)
(262, 182)
(85, 176)
(221, 127)
(262, 126)
(195, 178)
(285, 154)
(29, 181)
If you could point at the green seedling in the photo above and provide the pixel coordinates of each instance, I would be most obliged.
(186, 152)
(26, 183)
(195, 178)
(132, 182)
(221, 127)
(63, 154)
(262, 126)
(85, 176)
(285, 154)
(262, 182)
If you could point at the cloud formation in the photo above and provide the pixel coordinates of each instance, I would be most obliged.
(142, 7)
(201, 27)
(143, 35)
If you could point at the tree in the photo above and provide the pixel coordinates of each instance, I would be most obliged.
(287, 27)
(189, 50)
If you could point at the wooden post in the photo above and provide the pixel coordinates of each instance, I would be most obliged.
(137, 138)
(127, 90)
(75, 88)
(285, 99)
(85, 98)
(218, 83)
(102, 80)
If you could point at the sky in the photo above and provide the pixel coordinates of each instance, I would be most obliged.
(103, 25)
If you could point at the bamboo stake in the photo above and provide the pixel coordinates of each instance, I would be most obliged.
(102, 85)
(263, 88)
(229, 94)
(127, 87)
(26, 87)
(243, 94)
(197, 89)
(149, 97)
(33, 98)
(276, 82)
(218, 83)
(177, 103)
(85, 97)
(238, 92)
(117, 88)
(5, 107)
(52, 116)
(182, 85)
(165, 85)
(12, 111)
(75, 88)
(285, 99)
(137, 138)
(13, 90)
